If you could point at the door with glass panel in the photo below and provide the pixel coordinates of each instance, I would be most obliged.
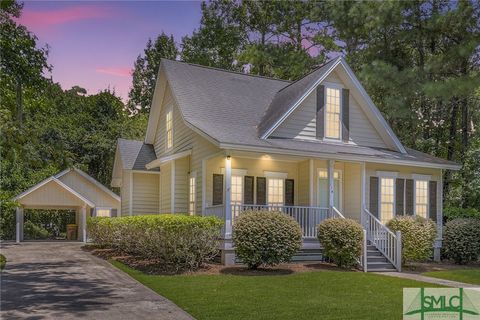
(322, 193)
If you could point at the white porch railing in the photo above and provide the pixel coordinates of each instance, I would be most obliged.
(307, 217)
(388, 243)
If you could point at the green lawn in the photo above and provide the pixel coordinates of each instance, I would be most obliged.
(463, 275)
(309, 295)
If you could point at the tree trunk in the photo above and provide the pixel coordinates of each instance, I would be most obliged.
(451, 144)
(19, 102)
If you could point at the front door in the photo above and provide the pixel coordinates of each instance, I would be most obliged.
(322, 190)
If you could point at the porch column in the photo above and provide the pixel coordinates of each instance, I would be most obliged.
(363, 194)
(331, 186)
(19, 225)
(228, 197)
(83, 218)
(438, 241)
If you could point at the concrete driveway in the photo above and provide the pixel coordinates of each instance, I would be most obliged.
(57, 280)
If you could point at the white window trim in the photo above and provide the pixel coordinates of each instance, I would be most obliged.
(340, 176)
(388, 175)
(104, 208)
(421, 177)
(168, 110)
(275, 174)
(336, 86)
(192, 175)
(281, 177)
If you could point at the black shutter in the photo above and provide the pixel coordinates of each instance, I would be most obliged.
(345, 115)
(374, 196)
(320, 112)
(399, 197)
(409, 197)
(261, 190)
(93, 212)
(432, 190)
(289, 192)
(217, 189)
(113, 213)
(248, 190)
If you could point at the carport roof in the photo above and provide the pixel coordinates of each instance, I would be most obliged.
(69, 189)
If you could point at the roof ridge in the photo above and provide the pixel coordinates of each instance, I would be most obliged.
(229, 71)
(314, 70)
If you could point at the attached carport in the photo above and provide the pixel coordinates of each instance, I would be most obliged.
(70, 189)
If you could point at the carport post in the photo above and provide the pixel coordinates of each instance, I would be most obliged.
(84, 224)
(19, 230)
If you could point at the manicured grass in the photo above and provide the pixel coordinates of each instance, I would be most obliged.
(308, 295)
(471, 276)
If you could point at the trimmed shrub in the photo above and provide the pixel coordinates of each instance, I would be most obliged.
(418, 237)
(178, 242)
(266, 238)
(341, 240)
(462, 240)
(450, 213)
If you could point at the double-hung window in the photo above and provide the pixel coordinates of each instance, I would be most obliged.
(169, 129)
(103, 212)
(275, 191)
(332, 113)
(421, 198)
(237, 190)
(386, 199)
(192, 195)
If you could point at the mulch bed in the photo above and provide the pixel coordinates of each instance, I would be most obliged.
(421, 267)
(156, 267)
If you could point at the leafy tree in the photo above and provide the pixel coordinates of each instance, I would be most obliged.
(145, 72)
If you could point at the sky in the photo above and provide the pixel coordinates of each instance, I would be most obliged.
(93, 44)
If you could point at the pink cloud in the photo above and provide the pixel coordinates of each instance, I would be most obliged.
(48, 18)
(115, 71)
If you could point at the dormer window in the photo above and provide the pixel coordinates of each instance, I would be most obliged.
(169, 129)
(332, 113)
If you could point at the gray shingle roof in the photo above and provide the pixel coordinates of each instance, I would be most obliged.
(233, 107)
(136, 154)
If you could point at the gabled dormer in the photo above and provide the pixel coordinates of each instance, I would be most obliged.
(328, 105)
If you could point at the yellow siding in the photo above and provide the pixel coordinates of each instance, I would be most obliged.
(145, 193)
(51, 194)
(303, 185)
(182, 168)
(352, 195)
(89, 190)
(165, 188)
(125, 193)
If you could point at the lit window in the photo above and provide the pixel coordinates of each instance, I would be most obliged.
(421, 198)
(237, 190)
(386, 199)
(102, 212)
(192, 195)
(323, 188)
(169, 129)
(275, 191)
(332, 114)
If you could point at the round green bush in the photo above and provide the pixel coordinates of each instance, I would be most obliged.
(266, 238)
(418, 237)
(178, 242)
(450, 213)
(341, 240)
(461, 240)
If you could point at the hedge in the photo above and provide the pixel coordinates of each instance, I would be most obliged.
(418, 237)
(266, 238)
(461, 240)
(450, 213)
(178, 242)
(341, 240)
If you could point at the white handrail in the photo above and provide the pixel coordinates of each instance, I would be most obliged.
(383, 239)
(337, 214)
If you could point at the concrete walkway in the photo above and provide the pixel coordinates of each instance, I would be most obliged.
(419, 277)
(57, 280)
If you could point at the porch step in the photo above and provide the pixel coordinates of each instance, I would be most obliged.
(376, 261)
(308, 255)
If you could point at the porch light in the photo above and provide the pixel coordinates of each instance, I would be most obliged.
(228, 157)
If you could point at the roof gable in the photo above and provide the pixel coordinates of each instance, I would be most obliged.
(287, 100)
